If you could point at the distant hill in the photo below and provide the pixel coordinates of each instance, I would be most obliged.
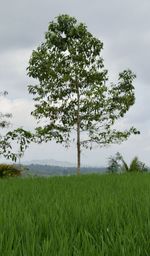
(50, 162)
(47, 170)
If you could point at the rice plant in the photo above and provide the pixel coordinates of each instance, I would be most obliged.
(91, 215)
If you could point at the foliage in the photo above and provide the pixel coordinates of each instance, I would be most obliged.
(118, 164)
(7, 170)
(72, 93)
(137, 166)
(20, 137)
(4, 118)
(88, 215)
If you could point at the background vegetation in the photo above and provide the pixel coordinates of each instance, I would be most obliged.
(8, 170)
(117, 164)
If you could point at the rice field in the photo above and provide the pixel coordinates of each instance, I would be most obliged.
(91, 215)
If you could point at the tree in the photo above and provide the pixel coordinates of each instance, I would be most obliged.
(4, 123)
(19, 136)
(72, 92)
(114, 165)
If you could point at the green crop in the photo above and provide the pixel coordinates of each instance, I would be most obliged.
(91, 215)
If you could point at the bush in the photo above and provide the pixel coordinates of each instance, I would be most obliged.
(8, 170)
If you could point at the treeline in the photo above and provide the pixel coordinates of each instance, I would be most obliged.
(45, 170)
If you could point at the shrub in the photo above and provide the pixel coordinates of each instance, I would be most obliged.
(8, 170)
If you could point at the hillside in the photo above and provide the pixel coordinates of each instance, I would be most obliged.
(46, 170)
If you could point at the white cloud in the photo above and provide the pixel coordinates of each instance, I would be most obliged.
(20, 109)
(13, 74)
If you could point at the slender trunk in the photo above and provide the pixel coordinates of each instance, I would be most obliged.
(78, 134)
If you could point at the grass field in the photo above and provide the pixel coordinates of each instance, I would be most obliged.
(92, 215)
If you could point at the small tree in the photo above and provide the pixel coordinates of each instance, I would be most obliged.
(137, 166)
(20, 136)
(4, 123)
(72, 93)
(113, 165)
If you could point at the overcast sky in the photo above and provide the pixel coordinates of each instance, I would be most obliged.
(123, 26)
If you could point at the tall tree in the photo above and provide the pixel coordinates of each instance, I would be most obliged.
(72, 91)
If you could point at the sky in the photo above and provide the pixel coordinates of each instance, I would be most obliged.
(123, 27)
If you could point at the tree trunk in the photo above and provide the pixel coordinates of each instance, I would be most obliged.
(78, 135)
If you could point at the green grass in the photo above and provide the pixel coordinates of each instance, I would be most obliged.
(93, 215)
